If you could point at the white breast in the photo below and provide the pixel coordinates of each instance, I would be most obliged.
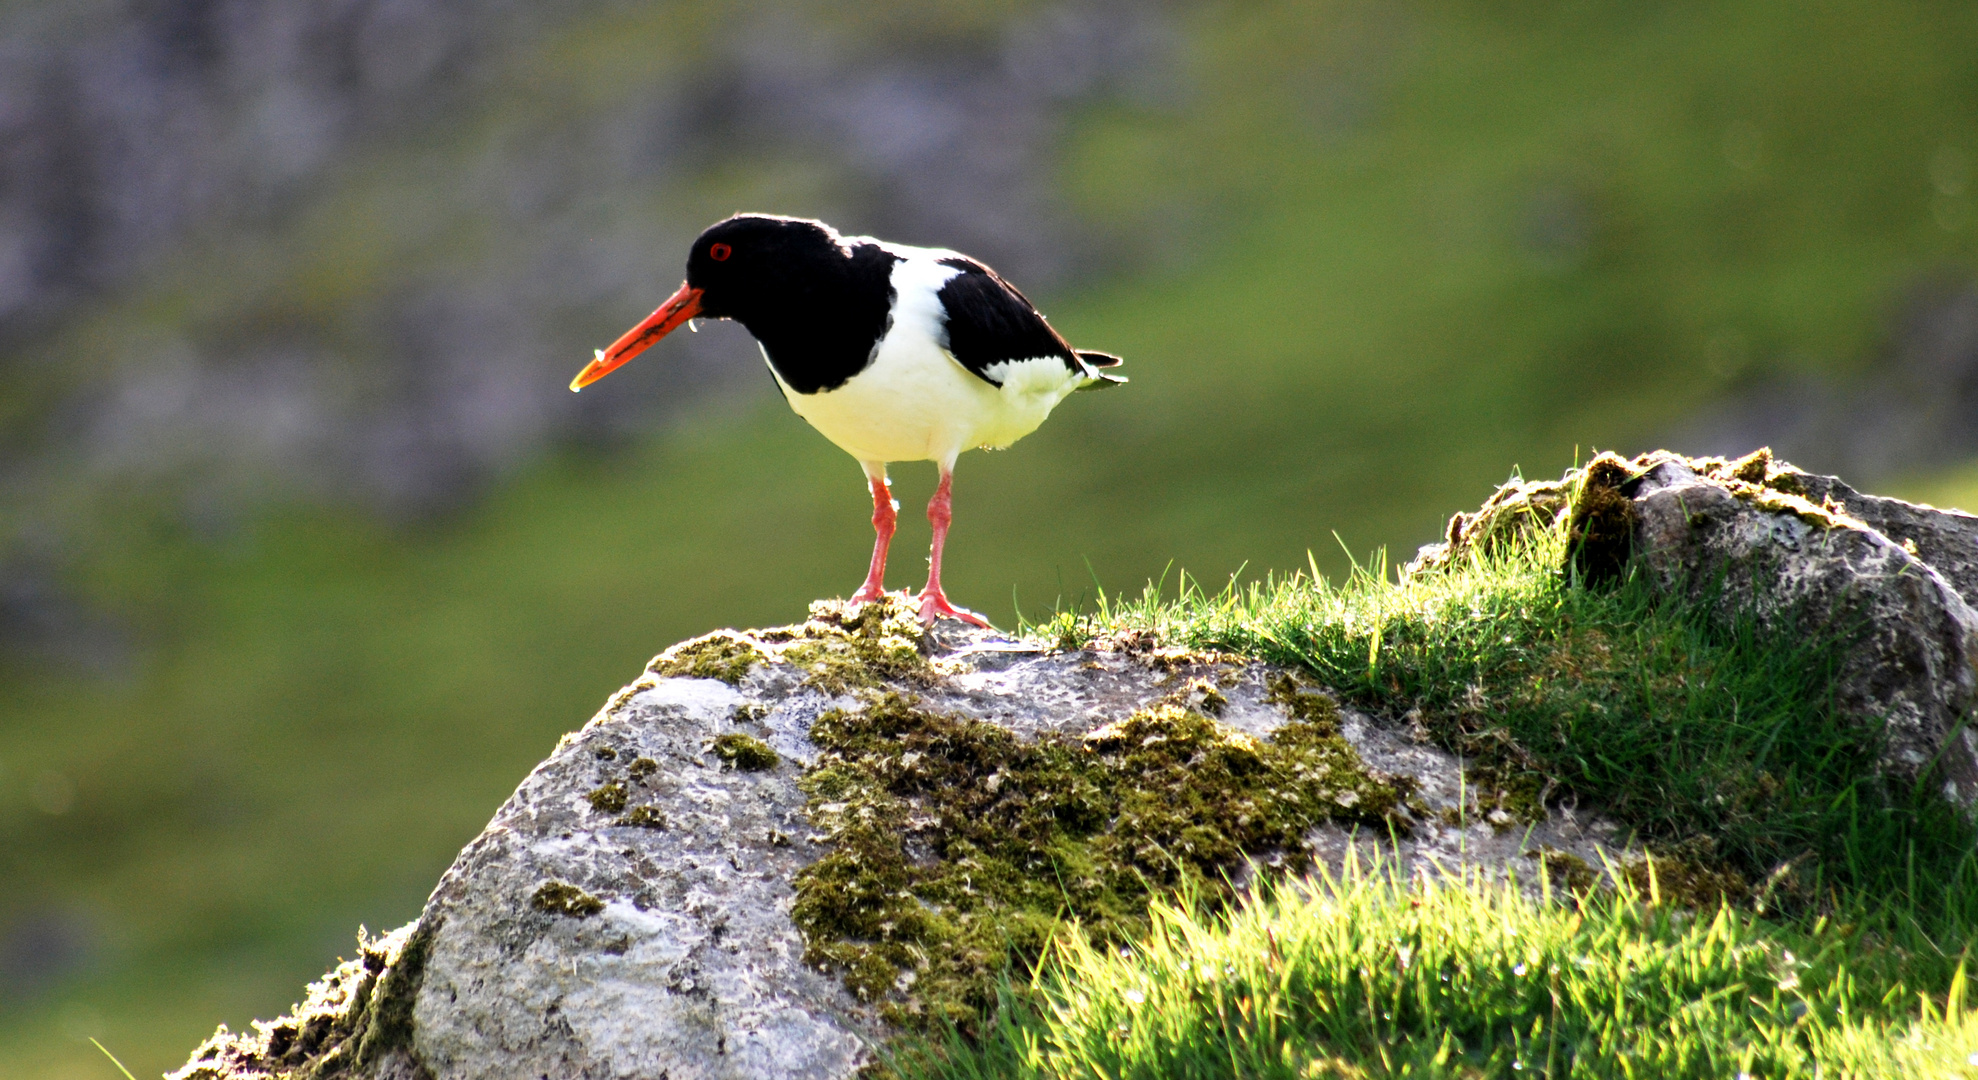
(915, 402)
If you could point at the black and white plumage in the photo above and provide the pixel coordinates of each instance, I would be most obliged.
(894, 353)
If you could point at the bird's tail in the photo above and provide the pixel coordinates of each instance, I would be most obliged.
(1095, 364)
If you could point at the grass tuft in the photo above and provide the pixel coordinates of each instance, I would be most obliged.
(1717, 742)
(1366, 976)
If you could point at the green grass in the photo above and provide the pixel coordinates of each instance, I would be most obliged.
(113, 1059)
(1717, 743)
(1361, 976)
(1801, 918)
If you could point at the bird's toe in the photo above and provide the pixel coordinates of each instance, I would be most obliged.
(934, 606)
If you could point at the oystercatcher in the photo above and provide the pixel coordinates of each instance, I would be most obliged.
(895, 353)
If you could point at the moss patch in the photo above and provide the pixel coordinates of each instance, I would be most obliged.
(723, 655)
(1315, 708)
(397, 990)
(644, 817)
(846, 646)
(1692, 876)
(352, 1015)
(1600, 528)
(842, 647)
(1769, 484)
(744, 752)
(563, 898)
(1594, 505)
(1565, 870)
(958, 849)
(615, 796)
(1512, 513)
(609, 798)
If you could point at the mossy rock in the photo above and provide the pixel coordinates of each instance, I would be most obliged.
(959, 849)
(846, 646)
(1594, 506)
(723, 655)
(744, 752)
(563, 898)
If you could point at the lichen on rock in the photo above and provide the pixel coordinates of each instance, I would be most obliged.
(958, 849)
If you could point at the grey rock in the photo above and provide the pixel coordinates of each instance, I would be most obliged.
(692, 967)
(566, 941)
(1946, 539)
(1457, 837)
(1790, 563)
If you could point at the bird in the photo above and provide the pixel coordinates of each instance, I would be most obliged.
(895, 353)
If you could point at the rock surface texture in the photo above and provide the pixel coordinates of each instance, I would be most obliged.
(627, 911)
(1817, 561)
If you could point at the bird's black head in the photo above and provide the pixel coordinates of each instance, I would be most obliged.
(750, 263)
(817, 303)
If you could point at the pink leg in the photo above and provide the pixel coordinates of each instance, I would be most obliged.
(885, 512)
(933, 603)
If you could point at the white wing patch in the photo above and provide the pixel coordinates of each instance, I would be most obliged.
(1043, 375)
(916, 289)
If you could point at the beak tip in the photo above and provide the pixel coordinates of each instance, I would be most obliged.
(681, 307)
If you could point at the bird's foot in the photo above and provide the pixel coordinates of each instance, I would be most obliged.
(934, 605)
(867, 593)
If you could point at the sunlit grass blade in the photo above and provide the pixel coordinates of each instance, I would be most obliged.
(113, 1058)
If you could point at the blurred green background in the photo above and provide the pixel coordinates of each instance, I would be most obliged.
(310, 556)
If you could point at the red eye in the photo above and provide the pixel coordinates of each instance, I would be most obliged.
(720, 252)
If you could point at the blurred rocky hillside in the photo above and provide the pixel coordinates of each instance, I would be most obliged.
(352, 250)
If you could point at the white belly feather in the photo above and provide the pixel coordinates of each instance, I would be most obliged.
(915, 402)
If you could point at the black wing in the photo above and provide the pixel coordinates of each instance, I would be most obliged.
(990, 322)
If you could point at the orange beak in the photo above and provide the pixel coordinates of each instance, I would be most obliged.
(679, 307)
